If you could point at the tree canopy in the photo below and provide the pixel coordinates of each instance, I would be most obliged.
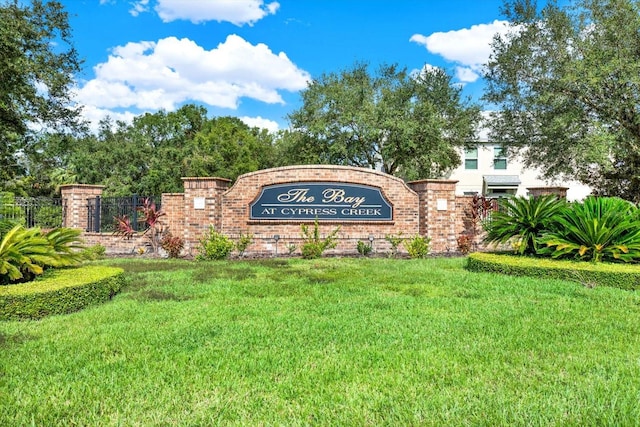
(407, 124)
(37, 64)
(152, 154)
(566, 84)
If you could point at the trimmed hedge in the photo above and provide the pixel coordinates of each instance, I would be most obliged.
(622, 276)
(60, 291)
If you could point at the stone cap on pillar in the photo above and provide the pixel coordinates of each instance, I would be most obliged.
(431, 184)
(205, 182)
(559, 191)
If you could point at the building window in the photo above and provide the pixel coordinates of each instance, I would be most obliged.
(499, 158)
(471, 158)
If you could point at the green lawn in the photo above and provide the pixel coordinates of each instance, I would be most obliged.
(328, 342)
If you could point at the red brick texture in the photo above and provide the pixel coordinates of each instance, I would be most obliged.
(75, 199)
(561, 192)
(426, 207)
(438, 213)
(235, 208)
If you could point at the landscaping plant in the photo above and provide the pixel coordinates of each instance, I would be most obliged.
(214, 246)
(418, 246)
(313, 245)
(364, 248)
(523, 221)
(395, 242)
(597, 229)
(479, 209)
(464, 244)
(243, 243)
(150, 216)
(66, 245)
(27, 252)
(173, 245)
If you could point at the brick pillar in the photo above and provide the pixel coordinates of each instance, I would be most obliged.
(561, 192)
(437, 212)
(74, 198)
(202, 207)
(173, 207)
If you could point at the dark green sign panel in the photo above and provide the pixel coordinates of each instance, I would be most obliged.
(321, 200)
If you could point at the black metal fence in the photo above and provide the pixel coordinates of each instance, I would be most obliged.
(43, 212)
(102, 212)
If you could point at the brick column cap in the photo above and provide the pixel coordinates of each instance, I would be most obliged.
(436, 181)
(205, 178)
(67, 186)
(553, 187)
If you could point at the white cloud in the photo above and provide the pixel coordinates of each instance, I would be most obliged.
(469, 48)
(93, 115)
(139, 7)
(163, 74)
(466, 74)
(238, 12)
(426, 68)
(260, 122)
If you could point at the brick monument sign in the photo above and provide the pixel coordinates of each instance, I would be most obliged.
(272, 204)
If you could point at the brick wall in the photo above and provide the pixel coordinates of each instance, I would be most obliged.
(202, 205)
(75, 198)
(235, 208)
(438, 213)
(173, 207)
(561, 192)
(426, 207)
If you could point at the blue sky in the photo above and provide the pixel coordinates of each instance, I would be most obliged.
(251, 58)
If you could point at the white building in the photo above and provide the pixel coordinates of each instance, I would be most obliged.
(486, 170)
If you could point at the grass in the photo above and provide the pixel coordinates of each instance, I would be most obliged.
(328, 342)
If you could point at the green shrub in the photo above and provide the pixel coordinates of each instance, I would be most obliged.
(524, 221)
(395, 242)
(94, 252)
(622, 276)
(364, 248)
(61, 291)
(291, 248)
(10, 213)
(214, 246)
(23, 254)
(417, 246)
(243, 243)
(48, 216)
(597, 229)
(67, 246)
(313, 246)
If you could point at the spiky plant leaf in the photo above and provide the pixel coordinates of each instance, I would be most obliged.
(524, 220)
(597, 229)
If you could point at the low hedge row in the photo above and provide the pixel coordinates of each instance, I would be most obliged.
(622, 276)
(60, 291)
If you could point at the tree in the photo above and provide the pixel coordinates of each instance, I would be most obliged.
(226, 147)
(407, 123)
(37, 64)
(566, 81)
(147, 157)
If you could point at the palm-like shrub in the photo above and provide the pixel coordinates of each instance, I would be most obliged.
(66, 245)
(598, 229)
(25, 253)
(523, 221)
